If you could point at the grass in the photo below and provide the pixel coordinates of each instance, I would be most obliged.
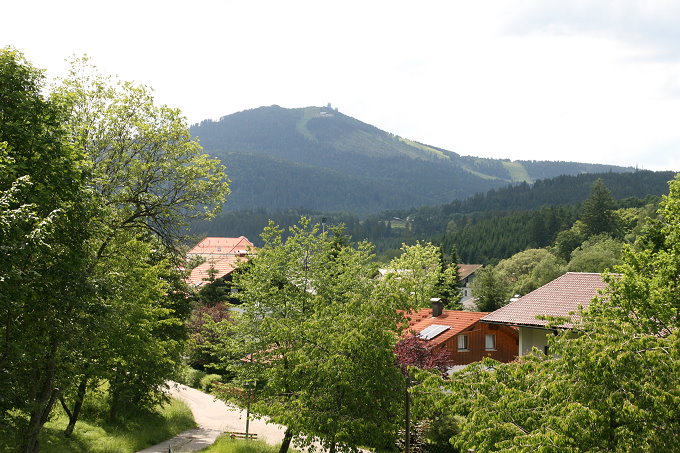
(94, 433)
(224, 444)
(517, 171)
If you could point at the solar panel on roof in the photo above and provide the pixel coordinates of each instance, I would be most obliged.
(432, 331)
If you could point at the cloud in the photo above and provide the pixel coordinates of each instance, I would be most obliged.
(652, 27)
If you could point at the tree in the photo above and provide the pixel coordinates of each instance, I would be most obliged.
(44, 254)
(610, 385)
(418, 272)
(490, 289)
(320, 335)
(91, 288)
(413, 352)
(448, 287)
(527, 270)
(150, 179)
(596, 254)
(598, 211)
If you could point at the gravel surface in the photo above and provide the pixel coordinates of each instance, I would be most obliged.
(213, 418)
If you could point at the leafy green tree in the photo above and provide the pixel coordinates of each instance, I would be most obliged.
(611, 385)
(596, 254)
(418, 272)
(448, 287)
(44, 254)
(320, 334)
(151, 179)
(598, 211)
(490, 289)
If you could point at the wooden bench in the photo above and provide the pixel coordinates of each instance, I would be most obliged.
(236, 435)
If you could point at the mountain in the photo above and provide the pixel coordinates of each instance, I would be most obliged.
(318, 158)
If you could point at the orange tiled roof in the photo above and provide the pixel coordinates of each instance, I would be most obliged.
(221, 246)
(464, 270)
(456, 320)
(223, 266)
(557, 298)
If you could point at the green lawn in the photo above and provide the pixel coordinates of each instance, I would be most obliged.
(94, 433)
(226, 445)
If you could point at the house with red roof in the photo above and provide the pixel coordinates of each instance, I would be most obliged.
(560, 298)
(220, 247)
(462, 335)
(222, 257)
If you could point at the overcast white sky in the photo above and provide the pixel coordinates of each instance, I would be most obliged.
(589, 81)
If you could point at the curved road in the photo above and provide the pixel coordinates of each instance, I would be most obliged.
(213, 418)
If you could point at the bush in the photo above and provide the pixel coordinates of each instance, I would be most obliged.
(208, 380)
(190, 376)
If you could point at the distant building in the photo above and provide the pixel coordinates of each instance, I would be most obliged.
(466, 273)
(560, 298)
(219, 247)
(222, 257)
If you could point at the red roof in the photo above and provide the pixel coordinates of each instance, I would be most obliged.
(457, 321)
(557, 298)
(223, 266)
(221, 246)
(465, 270)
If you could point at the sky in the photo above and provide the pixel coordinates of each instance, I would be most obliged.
(588, 81)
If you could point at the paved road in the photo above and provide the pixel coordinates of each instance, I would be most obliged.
(213, 418)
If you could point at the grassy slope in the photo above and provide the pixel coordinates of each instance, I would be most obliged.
(95, 434)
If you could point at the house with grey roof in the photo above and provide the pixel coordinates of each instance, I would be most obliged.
(560, 298)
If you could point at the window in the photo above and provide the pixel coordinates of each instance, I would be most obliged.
(462, 342)
(490, 342)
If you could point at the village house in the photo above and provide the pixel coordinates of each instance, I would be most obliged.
(463, 336)
(560, 298)
(222, 257)
(466, 273)
(220, 247)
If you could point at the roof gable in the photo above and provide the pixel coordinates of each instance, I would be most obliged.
(558, 298)
(221, 246)
(465, 270)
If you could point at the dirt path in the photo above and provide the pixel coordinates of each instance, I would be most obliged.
(213, 418)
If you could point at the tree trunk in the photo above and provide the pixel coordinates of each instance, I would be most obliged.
(46, 394)
(407, 418)
(77, 406)
(287, 437)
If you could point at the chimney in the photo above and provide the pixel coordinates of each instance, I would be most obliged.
(437, 307)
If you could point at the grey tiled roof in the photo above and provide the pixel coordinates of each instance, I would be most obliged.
(557, 298)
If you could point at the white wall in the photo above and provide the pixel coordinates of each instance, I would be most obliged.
(530, 337)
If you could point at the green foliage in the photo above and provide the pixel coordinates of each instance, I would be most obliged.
(419, 273)
(525, 271)
(610, 385)
(189, 376)
(97, 183)
(596, 254)
(207, 381)
(598, 211)
(490, 289)
(321, 335)
(225, 444)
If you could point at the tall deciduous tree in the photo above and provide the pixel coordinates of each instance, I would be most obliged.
(150, 177)
(42, 255)
(321, 340)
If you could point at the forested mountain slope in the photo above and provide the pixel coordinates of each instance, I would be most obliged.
(319, 158)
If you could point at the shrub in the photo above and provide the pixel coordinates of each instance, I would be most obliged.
(208, 380)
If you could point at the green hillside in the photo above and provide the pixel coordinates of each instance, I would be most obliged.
(319, 158)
